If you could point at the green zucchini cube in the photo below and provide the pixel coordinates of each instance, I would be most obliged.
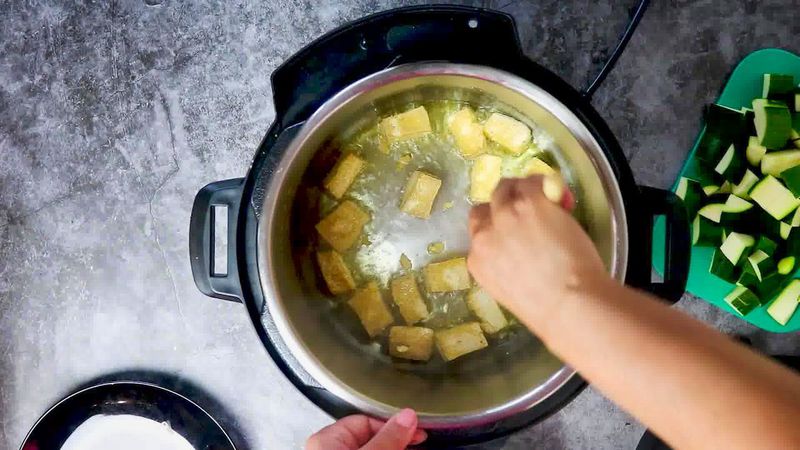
(765, 245)
(706, 233)
(773, 122)
(791, 178)
(723, 268)
(742, 300)
(691, 193)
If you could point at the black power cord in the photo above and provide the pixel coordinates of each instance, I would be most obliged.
(623, 42)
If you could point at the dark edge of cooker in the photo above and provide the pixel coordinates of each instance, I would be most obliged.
(294, 105)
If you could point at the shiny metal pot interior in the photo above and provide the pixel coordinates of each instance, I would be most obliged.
(491, 384)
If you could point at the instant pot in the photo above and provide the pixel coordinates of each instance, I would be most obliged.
(402, 54)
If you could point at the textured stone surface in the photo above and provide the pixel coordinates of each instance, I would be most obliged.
(114, 114)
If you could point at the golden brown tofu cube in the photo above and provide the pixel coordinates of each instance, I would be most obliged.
(483, 177)
(370, 309)
(510, 133)
(342, 227)
(460, 340)
(408, 299)
(486, 310)
(420, 193)
(414, 343)
(343, 174)
(335, 272)
(446, 276)
(538, 167)
(467, 132)
(405, 125)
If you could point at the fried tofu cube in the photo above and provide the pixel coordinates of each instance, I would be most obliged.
(415, 343)
(407, 125)
(370, 309)
(343, 174)
(335, 272)
(420, 193)
(486, 310)
(460, 340)
(406, 296)
(483, 177)
(510, 133)
(447, 276)
(467, 132)
(538, 167)
(342, 227)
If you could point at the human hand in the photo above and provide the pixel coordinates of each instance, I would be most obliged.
(360, 432)
(526, 246)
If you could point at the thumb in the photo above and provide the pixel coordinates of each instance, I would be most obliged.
(396, 434)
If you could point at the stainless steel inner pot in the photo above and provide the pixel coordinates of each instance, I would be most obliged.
(488, 385)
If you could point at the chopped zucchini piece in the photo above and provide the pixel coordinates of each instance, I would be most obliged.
(421, 190)
(796, 218)
(735, 245)
(755, 151)
(538, 167)
(723, 125)
(710, 189)
(774, 198)
(726, 188)
(486, 310)
(761, 264)
(446, 276)
(459, 340)
(782, 308)
(510, 133)
(407, 125)
(467, 133)
(343, 174)
(785, 230)
(742, 300)
(335, 272)
(712, 212)
(706, 233)
(748, 279)
(406, 296)
(773, 122)
(722, 267)
(791, 178)
(730, 166)
(483, 177)
(765, 245)
(342, 227)
(775, 163)
(786, 265)
(370, 309)
(414, 343)
(691, 193)
(734, 204)
(776, 84)
(769, 286)
(734, 211)
(742, 189)
(797, 102)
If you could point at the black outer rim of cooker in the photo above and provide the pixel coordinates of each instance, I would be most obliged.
(639, 221)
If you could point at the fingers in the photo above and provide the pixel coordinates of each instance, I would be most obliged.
(479, 218)
(350, 432)
(396, 434)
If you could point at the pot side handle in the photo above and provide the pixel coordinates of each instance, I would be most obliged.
(204, 243)
(677, 241)
(433, 32)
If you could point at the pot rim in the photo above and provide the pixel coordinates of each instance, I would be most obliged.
(505, 79)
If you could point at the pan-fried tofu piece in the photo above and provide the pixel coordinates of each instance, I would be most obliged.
(408, 299)
(483, 177)
(467, 132)
(420, 193)
(370, 309)
(335, 272)
(343, 174)
(405, 125)
(342, 227)
(460, 340)
(446, 276)
(510, 133)
(414, 343)
(486, 310)
(538, 167)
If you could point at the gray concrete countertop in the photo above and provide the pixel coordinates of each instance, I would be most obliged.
(114, 114)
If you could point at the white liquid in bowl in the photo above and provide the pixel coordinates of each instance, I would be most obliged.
(125, 432)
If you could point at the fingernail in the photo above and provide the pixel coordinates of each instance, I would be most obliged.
(406, 418)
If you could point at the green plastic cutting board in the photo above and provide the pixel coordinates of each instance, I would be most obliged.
(743, 85)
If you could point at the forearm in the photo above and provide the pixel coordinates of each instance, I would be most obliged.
(695, 387)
